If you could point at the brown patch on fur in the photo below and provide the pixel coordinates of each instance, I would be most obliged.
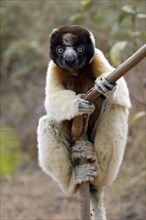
(96, 66)
(81, 83)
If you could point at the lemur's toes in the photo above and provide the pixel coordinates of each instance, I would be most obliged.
(85, 172)
(83, 149)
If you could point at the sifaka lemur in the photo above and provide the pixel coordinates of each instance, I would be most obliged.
(77, 65)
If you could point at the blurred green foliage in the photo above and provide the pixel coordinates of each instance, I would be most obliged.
(25, 28)
(128, 11)
(131, 11)
(115, 52)
(9, 151)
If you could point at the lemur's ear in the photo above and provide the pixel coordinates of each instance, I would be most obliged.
(54, 30)
(92, 38)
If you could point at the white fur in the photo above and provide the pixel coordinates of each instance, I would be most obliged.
(111, 126)
(110, 138)
(92, 38)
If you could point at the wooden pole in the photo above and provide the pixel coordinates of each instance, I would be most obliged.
(78, 130)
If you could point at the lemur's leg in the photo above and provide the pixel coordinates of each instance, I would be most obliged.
(55, 156)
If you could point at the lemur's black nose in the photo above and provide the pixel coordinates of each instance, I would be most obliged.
(70, 56)
(70, 60)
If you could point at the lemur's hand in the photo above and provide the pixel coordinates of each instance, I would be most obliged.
(83, 106)
(103, 86)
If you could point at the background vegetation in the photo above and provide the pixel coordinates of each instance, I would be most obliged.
(119, 29)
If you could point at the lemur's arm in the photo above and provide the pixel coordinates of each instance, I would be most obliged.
(118, 93)
(60, 103)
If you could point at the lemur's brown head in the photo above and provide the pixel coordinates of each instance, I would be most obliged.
(72, 46)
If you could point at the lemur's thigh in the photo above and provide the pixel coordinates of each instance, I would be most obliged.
(54, 156)
(110, 139)
(52, 143)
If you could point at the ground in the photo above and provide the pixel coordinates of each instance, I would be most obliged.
(32, 195)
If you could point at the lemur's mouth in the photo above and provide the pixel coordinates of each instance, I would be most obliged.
(71, 66)
(74, 72)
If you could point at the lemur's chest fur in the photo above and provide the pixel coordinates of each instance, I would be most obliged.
(81, 83)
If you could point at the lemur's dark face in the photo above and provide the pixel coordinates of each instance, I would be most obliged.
(71, 47)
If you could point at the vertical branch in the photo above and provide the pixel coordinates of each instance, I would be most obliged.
(84, 187)
(85, 201)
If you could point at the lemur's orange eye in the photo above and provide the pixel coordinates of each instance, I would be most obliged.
(60, 50)
(80, 49)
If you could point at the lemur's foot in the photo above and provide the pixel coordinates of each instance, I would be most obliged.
(83, 149)
(85, 172)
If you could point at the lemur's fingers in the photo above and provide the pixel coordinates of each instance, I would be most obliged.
(83, 106)
(83, 149)
(102, 85)
(84, 172)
